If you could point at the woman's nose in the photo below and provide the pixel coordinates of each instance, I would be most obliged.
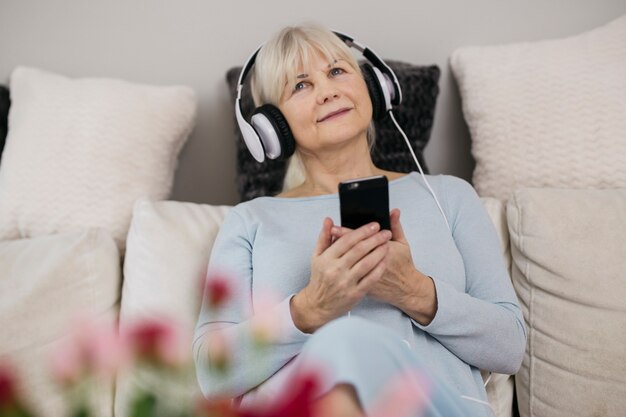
(327, 92)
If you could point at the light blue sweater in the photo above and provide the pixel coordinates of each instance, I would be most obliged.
(267, 244)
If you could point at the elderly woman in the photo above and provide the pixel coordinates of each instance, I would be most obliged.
(367, 304)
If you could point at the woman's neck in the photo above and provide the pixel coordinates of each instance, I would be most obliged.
(323, 172)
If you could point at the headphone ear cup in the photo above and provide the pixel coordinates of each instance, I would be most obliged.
(274, 132)
(375, 90)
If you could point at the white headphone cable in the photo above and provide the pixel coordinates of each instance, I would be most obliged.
(476, 400)
(488, 379)
(408, 144)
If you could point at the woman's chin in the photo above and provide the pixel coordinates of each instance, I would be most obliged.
(338, 133)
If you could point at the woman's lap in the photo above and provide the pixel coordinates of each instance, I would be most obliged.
(373, 359)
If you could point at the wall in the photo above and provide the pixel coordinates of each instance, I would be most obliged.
(194, 42)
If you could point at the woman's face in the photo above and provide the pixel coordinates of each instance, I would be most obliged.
(326, 105)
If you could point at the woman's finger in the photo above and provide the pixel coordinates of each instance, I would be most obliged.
(325, 238)
(364, 247)
(350, 239)
(368, 262)
(338, 231)
(372, 277)
(396, 227)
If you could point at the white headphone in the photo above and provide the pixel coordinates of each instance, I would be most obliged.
(268, 133)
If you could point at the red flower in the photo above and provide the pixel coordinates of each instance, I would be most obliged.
(8, 396)
(10, 403)
(217, 290)
(296, 402)
(157, 341)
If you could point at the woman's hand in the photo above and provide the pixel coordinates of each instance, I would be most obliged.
(343, 271)
(403, 285)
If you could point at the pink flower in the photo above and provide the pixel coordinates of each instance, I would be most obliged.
(92, 347)
(406, 395)
(265, 327)
(219, 351)
(217, 290)
(216, 407)
(68, 364)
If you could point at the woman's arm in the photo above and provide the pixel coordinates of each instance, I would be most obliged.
(482, 325)
(231, 258)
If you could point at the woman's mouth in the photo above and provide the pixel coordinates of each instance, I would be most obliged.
(335, 114)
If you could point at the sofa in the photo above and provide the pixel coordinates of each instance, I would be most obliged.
(549, 139)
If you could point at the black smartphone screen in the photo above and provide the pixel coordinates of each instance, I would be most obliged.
(364, 200)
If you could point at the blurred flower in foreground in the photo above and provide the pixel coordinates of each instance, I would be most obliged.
(407, 395)
(92, 348)
(217, 290)
(217, 407)
(296, 401)
(219, 351)
(265, 327)
(10, 404)
(7, 388)
(158, 341)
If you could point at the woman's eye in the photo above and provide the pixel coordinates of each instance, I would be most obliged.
(336, 71)
(299, 86)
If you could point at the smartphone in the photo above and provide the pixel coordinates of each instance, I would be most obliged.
(364, 200)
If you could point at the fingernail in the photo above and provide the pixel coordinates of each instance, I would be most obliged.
(387, 234)
(334, 230)
(373, 226)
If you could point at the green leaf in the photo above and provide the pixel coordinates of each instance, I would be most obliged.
(144, 406)
(82, 411)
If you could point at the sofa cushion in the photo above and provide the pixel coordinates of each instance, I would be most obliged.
(46, 283)
(416, 114)
(547, 114)
(570, 276)
(168, 249)
(80, 152)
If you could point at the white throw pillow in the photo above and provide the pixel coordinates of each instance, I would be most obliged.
(547, 114)
(46, 283)
(570, 275)
(79, 152)
(168, 249)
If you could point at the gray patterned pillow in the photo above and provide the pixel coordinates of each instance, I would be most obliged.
(415, 115)
(5, 103)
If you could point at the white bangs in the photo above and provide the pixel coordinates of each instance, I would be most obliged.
(281, 59)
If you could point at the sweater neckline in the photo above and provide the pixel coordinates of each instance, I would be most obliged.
(333, 195)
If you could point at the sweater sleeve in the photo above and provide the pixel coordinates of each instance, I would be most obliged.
(249, 364)
(484, 325)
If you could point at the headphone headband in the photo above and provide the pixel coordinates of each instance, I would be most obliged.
(369, 54)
